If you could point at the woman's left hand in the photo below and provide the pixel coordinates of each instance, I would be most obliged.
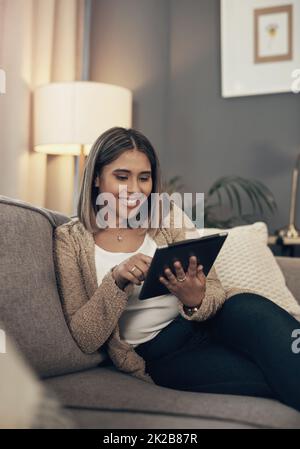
(191, 291)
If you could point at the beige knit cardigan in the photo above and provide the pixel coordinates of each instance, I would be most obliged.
(92, 312)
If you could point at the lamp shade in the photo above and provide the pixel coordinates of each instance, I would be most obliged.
(70, 115)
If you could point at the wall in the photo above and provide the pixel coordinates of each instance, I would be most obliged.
(129, 47)
(38, 45)
(168, 53)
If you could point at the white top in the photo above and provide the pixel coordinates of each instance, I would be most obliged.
(141, 320)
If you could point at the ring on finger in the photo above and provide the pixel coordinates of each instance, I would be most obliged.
(141, 276)
(181, 279)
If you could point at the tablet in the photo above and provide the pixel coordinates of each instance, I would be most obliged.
(206, 249)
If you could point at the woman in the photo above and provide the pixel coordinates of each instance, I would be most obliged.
(189, 339)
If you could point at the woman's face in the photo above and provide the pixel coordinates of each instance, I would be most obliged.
(132, 170)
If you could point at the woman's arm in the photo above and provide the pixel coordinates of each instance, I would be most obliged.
(215, 294)
(91, 320)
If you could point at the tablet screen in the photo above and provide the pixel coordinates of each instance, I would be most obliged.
(206, 249)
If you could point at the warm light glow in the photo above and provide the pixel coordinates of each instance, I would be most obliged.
(77, 112)
(65, 149)
(71, 150)
(87, 149)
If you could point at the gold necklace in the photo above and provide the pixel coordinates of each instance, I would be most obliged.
(120, 237)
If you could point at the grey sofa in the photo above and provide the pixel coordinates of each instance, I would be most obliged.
(88, 386)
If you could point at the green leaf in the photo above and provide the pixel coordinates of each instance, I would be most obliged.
(229, 194)
(253, 196)
(238, 198)
(258, 194)
(217, 184)
(263, 198)
(267, 195)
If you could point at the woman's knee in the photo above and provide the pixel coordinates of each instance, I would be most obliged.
(250, 305)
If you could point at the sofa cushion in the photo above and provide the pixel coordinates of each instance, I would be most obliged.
(246, 262)
(30, 306)
(290, 267)
(107, 390)
(110, 419)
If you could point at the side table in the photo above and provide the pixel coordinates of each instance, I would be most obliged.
(287, 245)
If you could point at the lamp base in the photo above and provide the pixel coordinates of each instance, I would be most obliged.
(289, 231)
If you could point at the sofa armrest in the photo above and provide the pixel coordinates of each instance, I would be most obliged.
(25, 401)
(290, 267)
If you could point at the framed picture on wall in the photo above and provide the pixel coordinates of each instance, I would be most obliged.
(260, 46)
(273, 32)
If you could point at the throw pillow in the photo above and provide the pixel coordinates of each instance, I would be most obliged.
(245, 261)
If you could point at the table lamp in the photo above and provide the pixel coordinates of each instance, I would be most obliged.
(69, 116)
(290, 231)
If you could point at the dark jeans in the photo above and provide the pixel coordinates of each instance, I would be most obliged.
(245, 349)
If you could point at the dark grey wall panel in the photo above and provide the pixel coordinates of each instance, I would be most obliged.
(168, 53)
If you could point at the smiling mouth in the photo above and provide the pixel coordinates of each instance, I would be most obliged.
(135, 199)
(129, 203)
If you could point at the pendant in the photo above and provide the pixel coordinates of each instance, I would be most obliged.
(120, 238)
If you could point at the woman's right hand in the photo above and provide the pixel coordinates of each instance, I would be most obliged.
(123, 275)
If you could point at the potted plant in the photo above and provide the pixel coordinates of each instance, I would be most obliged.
(230, 192)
